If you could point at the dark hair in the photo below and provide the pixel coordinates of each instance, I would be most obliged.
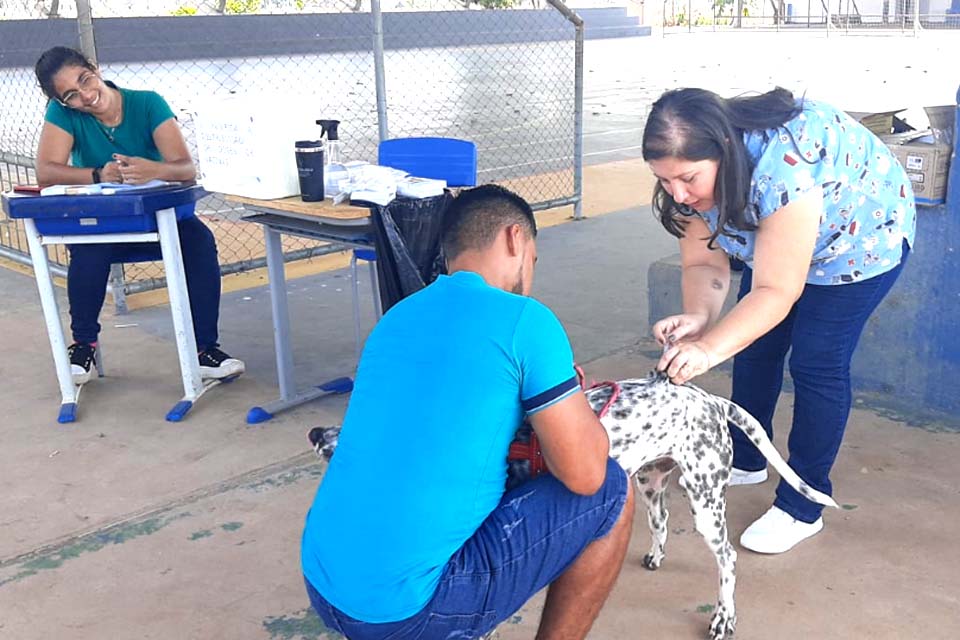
(696, 124)
(50, 63)
(474, 218)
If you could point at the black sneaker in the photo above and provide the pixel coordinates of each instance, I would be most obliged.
(217, 364)
(82, 358)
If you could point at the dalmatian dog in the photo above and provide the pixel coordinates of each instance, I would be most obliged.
(655, 427)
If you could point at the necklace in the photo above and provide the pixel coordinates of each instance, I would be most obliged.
(110, 131)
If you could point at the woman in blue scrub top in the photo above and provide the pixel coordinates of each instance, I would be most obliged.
(823, 216)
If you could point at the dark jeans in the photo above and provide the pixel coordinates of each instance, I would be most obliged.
(821, 333)
(90, 268)
(537, 532)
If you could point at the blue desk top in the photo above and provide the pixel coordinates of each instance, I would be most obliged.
(137, 203)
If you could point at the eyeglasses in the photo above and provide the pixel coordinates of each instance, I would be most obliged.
(86, 82)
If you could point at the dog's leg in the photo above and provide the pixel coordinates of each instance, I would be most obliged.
(708, 503)
(652, 482)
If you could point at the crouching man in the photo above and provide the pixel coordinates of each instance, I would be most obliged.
(411, 535)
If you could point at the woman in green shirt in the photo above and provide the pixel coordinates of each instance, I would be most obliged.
(95, 131)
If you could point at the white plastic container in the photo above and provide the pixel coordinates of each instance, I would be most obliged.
(245, 143)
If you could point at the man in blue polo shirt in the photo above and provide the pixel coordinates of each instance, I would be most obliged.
(411, 535)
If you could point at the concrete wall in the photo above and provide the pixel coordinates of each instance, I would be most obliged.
(909, 354)
(201, 37)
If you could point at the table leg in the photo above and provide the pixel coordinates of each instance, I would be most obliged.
(375, 289)
(180, 309)
(281, 340)
(281, 314)
(69, 393)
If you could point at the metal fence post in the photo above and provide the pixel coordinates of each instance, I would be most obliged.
(378, 70)
(85, 28)
(578, 123)
(577, 22)
(88, 46)
(916, 18)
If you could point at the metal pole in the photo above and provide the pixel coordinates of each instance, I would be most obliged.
(378, 70)
(88, 47)
(85, 27)
(577, 22)
(578, 123)
(24, 259)
(916, 18)
(689, 16)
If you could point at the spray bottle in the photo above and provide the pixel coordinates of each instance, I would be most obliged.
(333, 170)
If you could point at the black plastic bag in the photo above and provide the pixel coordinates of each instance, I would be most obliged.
(407, 238)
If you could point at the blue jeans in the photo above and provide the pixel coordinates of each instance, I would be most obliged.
(90, 268)
(821, 333)
(539, 529)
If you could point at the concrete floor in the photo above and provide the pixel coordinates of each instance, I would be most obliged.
(125, 526)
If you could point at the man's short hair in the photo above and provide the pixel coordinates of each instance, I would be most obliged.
(476, 216)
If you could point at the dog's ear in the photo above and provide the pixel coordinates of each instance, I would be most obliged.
(315, 436)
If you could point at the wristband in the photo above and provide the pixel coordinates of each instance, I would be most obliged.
(96, 176)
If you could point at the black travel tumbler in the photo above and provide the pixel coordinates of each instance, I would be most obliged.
(310, 169)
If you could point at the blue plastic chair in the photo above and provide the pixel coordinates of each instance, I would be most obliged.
(449, 159)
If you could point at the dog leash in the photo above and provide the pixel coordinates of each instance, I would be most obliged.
(614, 390)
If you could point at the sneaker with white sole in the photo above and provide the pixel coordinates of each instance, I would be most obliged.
(216, 364)
(82, 358)
(777, 531)
(741, 477)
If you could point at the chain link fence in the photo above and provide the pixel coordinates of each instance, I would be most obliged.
(508, 79)
(840, 16)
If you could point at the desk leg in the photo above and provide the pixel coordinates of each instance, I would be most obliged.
(180, 308)
(281, 313)
(281, 341)
(51, 314)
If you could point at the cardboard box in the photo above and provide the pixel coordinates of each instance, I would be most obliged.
(925, 155)
(881, 123)
(926, 165)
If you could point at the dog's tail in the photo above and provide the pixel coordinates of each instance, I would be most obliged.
(749, 425)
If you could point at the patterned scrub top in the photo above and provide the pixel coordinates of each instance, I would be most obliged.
(868, 205)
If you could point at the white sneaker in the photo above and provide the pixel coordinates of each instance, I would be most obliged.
(83, 357)
(739, 476)
(777, 531)
(216, 364)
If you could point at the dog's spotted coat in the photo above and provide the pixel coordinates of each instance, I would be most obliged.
(654, 427)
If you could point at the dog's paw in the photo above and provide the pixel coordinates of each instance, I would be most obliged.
(651, 563)
(324, 440)
(722, 625)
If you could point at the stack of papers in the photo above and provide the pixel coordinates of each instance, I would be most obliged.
(413, 187)
(370, 183)
(380, 185)
(103, 188)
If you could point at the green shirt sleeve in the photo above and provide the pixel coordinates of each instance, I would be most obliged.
(157, 110)
(59, 115)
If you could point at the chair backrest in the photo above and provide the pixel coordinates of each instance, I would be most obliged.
(447, 159)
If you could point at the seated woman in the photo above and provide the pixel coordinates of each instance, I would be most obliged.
(111, 134)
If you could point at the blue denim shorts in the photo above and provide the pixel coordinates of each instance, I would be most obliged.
(532, 537)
